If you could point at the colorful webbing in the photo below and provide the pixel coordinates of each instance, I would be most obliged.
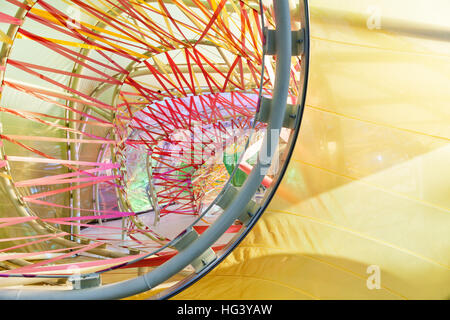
(4, 18)
(196, 86)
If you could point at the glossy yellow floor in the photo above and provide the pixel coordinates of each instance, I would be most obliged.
(363, 211)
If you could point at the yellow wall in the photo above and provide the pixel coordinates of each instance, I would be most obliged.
(369, 183)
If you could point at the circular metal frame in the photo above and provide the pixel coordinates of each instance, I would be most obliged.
(237, 206)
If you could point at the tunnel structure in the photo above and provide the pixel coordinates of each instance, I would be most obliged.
(142, 141)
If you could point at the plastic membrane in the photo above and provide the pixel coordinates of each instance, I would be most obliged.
(224, 149)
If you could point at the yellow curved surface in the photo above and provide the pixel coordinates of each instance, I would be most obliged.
(369, 183)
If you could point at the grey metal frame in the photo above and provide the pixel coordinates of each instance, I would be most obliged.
(236, 208)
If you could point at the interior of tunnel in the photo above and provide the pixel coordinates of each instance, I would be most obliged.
(192, 149)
